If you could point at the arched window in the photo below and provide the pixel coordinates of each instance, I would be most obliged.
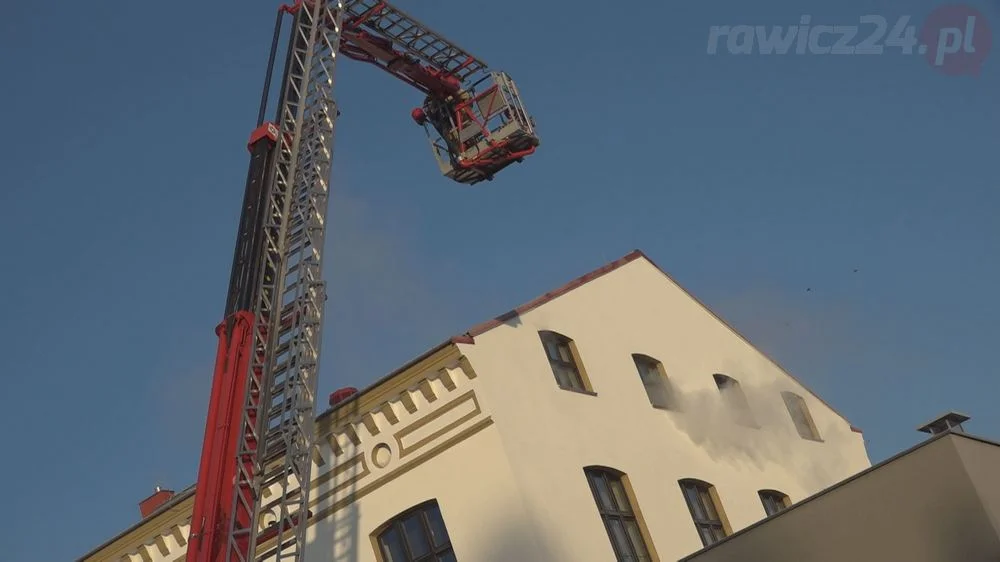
(774, 501)
(654, 379)
(706, 510)
(799, 411)
(416, 535)
(734, 398)
(565, 362)
(620, 514)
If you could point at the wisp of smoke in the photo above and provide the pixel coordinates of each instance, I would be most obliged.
(765, 437)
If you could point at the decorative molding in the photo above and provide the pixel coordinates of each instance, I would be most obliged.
(357, 451)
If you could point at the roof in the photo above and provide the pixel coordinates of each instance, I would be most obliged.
(468, 337)
(166, 506)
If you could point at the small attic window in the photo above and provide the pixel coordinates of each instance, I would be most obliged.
(735, 399)
(565, 362)
(654, 379)
(799, 410)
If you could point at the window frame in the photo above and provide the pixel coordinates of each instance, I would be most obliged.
(774, 496)
(610, 514)
(580, 381)
(705, 491)
(736, 400)
(396, 523)
(804, 425)
(670, 401)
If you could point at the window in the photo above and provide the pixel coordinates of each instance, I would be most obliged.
(799, 411)
(706, 511)
(654, 378)
(416, 535)
(563, 359)
(734, 398)
(621, 520)
(774, 501)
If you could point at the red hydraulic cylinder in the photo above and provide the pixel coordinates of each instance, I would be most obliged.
(214, 496)
(217, 516)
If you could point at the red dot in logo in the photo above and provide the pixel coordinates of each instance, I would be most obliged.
(956, 39)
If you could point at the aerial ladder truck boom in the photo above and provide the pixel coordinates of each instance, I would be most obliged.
(259, 434)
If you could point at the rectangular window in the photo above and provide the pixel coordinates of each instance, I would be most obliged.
(734, 398)
(704, 511)
(774, 501)
(654, 379)
(620, 519)
(799, 411)
(559, 351)
(417, 535)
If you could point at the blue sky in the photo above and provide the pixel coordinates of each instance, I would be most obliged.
(749, 178)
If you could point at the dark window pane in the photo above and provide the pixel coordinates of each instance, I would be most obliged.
(552, 350)
(619, 538)
(773, 502)
(567, 377)
(694, 501)
(635, 537)
(438, 531)
(392, 546)
(659, 394)
(603, 494)
(707, 536)
(621, 499)
(706, 501)
(647, 371)
(416, 537)
(447, 557)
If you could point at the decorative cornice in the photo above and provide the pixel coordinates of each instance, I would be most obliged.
(396, 425)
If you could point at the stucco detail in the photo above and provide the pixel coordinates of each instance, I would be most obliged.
(360, 452)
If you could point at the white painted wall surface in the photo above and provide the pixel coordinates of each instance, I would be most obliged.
(476, 491)
(551, 434)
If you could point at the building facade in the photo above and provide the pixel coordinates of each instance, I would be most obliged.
(615, 418)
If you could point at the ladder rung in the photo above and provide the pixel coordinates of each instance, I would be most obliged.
(394, 24)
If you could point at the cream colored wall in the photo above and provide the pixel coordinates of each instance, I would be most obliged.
(551, 434)
(425, 434)
(475, 489)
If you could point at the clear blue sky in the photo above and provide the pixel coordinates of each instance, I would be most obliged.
(749, 178)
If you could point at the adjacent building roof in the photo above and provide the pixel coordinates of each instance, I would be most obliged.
(937, 501)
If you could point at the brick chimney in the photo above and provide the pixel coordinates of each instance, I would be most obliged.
(150, 504)
(342, 394)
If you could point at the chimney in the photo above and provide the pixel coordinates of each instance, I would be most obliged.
(342, 394)
(153, 502)
(952, 421)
